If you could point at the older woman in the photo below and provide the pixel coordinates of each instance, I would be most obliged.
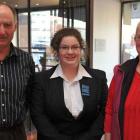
(123, 105)
(68, 100)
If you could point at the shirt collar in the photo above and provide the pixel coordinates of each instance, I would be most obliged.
(13, 50)
(81, 73)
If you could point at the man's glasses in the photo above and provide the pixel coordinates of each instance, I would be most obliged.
(66, 48)
(137, 37)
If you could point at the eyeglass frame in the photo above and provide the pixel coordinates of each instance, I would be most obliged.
(137, 37)
(67, 47)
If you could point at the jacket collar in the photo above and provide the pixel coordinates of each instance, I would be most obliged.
(130, 65)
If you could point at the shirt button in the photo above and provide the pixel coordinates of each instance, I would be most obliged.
(2, 90)
(3, 105)
(3, 120)
(1, 76)
(1, 63)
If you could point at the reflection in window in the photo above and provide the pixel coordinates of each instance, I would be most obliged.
(130, 19)
(43, 26)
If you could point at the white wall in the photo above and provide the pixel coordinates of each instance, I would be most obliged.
(106, 26)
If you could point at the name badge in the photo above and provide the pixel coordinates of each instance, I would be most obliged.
(85, 90)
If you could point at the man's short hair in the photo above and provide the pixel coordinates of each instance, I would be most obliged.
(11, 8)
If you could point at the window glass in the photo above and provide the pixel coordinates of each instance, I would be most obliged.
(23, 31)
(43, 26)
(130, 18)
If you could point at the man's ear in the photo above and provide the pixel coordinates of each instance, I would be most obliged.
(15, 26)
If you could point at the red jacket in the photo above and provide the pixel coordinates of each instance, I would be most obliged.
(118, 90)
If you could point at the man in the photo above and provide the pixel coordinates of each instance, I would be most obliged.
(16, 76)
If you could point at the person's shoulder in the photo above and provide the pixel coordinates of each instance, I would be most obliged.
(46, 73)
(130, 61)
(23, 55)
(95, 72)
(19, 51)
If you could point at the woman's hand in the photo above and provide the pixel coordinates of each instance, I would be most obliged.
(107, 136)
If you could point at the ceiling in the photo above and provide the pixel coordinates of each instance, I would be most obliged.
(127, 0)
(34, 3)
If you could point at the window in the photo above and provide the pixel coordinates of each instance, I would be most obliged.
(130, 18)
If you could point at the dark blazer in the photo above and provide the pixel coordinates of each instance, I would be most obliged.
(54, 121)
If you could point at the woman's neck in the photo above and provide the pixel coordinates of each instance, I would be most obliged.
(70, 72)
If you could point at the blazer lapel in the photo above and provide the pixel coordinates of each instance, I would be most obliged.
(60, 99)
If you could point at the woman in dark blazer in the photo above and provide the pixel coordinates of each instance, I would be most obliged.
(68, 100)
